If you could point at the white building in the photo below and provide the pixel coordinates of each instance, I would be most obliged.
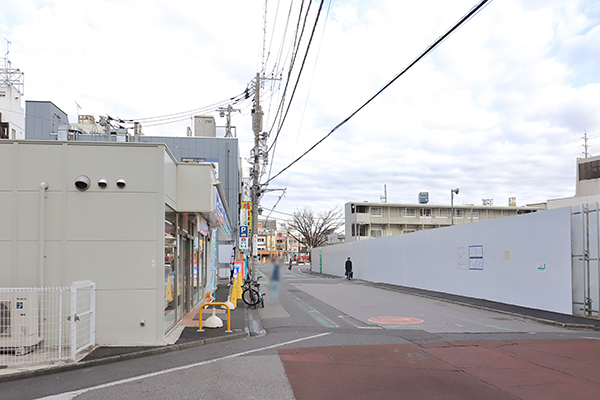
(587, 184)
(12, 114)
(372, 220)
(127, 216)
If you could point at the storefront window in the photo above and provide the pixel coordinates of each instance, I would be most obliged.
(170, 267)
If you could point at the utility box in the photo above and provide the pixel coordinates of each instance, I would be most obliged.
(204, 125)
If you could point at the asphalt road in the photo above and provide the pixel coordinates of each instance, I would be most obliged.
(317, 322)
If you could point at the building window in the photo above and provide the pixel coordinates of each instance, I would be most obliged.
(362, 230)
(409, 212)
(376, 211)
(2, 94)
(426, 212)
(459, 213)
(14, 134)
(375, 233)
(358, 209)
(443, 213)
(475, 214)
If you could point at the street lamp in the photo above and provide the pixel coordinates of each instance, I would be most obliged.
(452, 193)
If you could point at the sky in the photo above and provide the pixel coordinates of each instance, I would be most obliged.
(498, 110)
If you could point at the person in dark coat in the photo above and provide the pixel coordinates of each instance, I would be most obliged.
(349, 268)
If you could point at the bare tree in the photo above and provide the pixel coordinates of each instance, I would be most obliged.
(311, 229)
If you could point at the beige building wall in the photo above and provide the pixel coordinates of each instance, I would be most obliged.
(112, 236)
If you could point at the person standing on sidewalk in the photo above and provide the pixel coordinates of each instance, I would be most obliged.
(290, 267)
(349, 268)
(275, 276)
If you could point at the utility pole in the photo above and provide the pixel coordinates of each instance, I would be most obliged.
(384, 197)
(259, 152)
(585, 143)
(222, 112)
(256, 127)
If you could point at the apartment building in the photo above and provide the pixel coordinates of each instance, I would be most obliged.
(372, 220)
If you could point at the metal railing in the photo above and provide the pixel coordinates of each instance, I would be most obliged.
(46, 324)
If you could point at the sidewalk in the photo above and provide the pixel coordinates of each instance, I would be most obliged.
(184, 335)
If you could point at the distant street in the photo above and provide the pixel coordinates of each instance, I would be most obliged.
(333, 338)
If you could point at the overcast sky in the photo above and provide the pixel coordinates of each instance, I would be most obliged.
(497, 110)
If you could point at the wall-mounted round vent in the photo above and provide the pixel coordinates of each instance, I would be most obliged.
(103, 183)
(121, 183)
(82, 183)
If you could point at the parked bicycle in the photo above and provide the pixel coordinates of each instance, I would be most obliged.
(251, 293)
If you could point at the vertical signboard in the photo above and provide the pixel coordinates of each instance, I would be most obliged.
(254, 245)
(211, 278)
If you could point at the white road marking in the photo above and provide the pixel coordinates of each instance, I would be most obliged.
(72, 395)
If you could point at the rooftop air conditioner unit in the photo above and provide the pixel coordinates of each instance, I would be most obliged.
(19, 327)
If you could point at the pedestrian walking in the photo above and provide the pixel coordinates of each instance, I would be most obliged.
(290, 267)
(349, 273)
(275, 276)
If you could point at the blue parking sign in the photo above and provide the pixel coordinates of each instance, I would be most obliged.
(243, 231)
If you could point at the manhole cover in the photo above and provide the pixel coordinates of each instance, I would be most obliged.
(395, 320)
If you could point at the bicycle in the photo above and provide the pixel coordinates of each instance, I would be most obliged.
(252, 295)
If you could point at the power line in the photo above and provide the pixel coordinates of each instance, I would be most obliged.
(190, 112)
(316, 59)
(429, 49)
(298, 79)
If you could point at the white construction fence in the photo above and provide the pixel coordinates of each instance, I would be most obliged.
(523, 260)
(46, 325)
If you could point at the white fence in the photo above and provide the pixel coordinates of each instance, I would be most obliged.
(46, 325)
(523, 260)
(585, 237)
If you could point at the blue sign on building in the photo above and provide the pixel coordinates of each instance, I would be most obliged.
(243, 231)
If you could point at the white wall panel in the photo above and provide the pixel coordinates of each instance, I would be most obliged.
(37, 163)
(100, 216)
(28, 211)
(118, 317)
(7, 269)
(430, 260)
(170, 177)
(6, 213)
(113, 264)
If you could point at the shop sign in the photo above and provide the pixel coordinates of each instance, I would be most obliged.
(203, 226)
(243, 243)
(220, 213)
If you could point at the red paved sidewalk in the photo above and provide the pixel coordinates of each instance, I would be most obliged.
(485, 370)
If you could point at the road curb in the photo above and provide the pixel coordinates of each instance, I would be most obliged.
(120, 357)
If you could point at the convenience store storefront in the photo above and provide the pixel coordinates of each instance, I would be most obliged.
(191, 257)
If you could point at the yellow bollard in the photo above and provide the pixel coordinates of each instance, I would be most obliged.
(214, 304)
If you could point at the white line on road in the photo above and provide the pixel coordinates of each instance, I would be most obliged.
(72, 395)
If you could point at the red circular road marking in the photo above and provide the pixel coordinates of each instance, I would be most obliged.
(395, 320)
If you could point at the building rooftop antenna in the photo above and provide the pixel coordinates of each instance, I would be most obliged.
(11, 76)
